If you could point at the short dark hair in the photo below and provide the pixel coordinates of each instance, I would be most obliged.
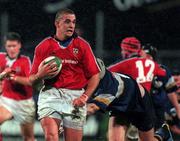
(175, 72)
(62, 12)
(151, 50)
(12, 36)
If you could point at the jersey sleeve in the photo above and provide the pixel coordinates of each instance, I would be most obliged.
(2, 62)
(159, 71)
(38, 56)
(89, 62)
(27, 66)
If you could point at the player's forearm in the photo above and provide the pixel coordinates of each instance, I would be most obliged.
(92, 108)
(174, 100)
(2, 75)
(26, 80)
(21, 80)
(92, 85)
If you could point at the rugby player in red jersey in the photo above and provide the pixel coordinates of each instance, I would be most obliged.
(141, 69)
(16, 99)
(63, 99)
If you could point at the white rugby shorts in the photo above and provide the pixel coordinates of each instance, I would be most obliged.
(23, 111)
(57, 103)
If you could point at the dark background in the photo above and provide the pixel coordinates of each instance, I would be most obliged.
(152, 21)
(148, 22)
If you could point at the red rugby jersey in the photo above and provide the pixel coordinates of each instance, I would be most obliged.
(78, 62)
(22, 66)
(141, 69)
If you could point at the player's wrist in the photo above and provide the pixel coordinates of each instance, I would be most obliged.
(13, 78)
(2, 75)
(85, 97)
(34, 78)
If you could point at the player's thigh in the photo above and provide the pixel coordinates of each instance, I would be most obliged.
(27, 130)
(116, 131)
(147, 135)
(5, 114)
(71, 134)
(50, 126)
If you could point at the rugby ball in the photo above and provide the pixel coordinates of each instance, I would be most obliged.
(56, 61)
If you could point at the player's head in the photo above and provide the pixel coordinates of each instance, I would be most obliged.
(12, 43)
(102, 67)
(175, 72)
(130, 46)
(176, 76)
(65, 22)
(150, 50)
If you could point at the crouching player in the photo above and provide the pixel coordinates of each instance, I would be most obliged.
(127, 103)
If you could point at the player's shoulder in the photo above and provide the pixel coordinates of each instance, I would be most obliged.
(81, 42)
(24, 58)
(168, 71)
(122, 63)
(147, 59)
(132, 59)
(45, 41)
(143, 58)
(164, 67)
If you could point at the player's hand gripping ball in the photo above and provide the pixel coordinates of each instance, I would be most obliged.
(57, 61)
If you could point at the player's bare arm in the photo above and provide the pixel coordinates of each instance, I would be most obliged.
(91, 86)
(45, 70)
(92, 108)
(6, 73)
(174, 100)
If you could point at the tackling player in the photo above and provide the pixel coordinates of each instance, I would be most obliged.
(128, 102)
(16, 99)
(163, 88)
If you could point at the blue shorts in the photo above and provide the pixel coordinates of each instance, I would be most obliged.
(139, 110)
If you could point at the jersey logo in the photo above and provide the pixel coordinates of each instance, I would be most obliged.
(75, 51)
(18, 69)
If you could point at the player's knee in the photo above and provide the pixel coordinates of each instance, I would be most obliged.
(112, 137)
(28, 137)
(49, 136)
(116, 139)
